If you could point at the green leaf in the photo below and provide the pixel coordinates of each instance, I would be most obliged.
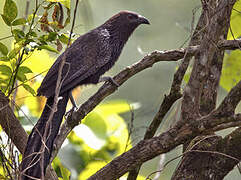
(64, 172)
(21, 77)
(67, 21)
(66, 3)
(6, 20)
(13, 53)
(32, 33)
(4, 58)
(6, 70)
(52, 36)
(10, 10)
(49, 48)
(3, 49)
(18, 34)
(24, 69)
(29, 89)
(231, 72)
(64, 38)
(30, 18)
(20, 21)
(235, 22)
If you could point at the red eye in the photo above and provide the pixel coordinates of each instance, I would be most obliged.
(131, 17)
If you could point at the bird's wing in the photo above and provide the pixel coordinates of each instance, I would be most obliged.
(97, 53)
(84, 58)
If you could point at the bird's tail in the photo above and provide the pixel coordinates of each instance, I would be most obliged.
(40, 142)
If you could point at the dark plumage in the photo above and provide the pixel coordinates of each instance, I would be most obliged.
(90, 56)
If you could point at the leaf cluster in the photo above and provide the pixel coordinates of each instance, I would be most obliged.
(42, 34)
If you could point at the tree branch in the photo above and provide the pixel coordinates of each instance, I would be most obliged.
(175, 92)
(12, 127)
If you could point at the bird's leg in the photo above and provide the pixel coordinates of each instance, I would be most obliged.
(72, 100)
(73, 104)
(109, 79)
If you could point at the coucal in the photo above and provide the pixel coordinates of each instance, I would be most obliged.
(89, 57)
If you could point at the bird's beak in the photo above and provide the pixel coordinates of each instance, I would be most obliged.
(143, 20)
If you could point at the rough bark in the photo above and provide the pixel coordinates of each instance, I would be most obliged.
(203, 86)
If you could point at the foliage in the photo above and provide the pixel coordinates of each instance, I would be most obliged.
(97, 146)
(27, 43)
(41, 32)
(28, 58)
(231, 72)
(235, 23)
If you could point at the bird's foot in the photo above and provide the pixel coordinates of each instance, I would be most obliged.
(109, 79)
(74, 108)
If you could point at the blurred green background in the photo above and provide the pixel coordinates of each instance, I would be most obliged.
(170, 29)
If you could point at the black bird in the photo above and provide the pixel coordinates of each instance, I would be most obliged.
(89, 57)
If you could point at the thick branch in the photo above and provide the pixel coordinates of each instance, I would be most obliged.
(19, 136)
(210, 156)
(148, 149)
(179, 134)
(175, 92)
(107, 89)
(12, 127)
(201, 90)
(230, 102)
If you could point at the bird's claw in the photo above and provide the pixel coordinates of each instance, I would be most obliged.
(109, 79)
(74, 108)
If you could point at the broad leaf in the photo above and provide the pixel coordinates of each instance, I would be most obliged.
(6, 20)
(24, 69)
(65, 172)
(6, 70)
(231, 72)
(3, 49)
(66, 3)
(235, 22)
(29, 89)
(49, 48)
(18, 34)
(10, 10)
(20, 21)
(4, 58)
(21, 77)
(64, 38)
(13, 53)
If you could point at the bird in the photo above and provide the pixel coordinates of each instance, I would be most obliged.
(86, 60)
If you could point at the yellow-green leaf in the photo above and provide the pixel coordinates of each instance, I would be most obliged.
(6, 70)
(6, 20)
(4, 58)
(65, 172)
(13, 53)
(64, 38)
(10, 10)
(3, 49)
(29, 89)
(231, 73)
(66, 3)
(235, 22)
(24, 69)
(49, 48)
(20, 21)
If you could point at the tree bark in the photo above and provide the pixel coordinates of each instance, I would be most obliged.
(203, 85)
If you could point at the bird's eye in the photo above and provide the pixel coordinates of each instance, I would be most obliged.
(131, 16)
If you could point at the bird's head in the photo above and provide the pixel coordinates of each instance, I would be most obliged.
(122, 25)
(133, 18)
(127, 19)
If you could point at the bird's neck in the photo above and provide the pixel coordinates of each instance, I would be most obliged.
(120, 34)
